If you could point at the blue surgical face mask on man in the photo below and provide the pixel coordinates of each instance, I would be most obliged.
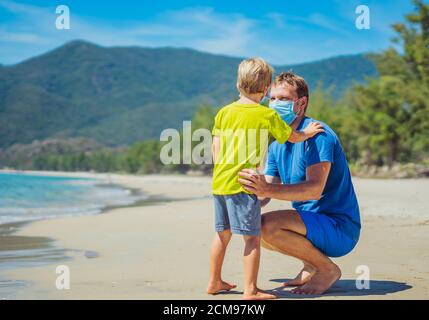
(265, 101)
(285, 110)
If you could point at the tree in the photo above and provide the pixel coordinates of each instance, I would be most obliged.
(380, 118)
(393, 112)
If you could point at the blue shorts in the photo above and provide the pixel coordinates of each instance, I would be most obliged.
(333, 236)
(241, 213)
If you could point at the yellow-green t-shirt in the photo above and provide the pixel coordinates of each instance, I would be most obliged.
(244, 131)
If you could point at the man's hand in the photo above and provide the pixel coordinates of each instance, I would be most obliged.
(253, 182)
(310, 189)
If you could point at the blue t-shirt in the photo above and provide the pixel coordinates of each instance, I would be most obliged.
(289, 161)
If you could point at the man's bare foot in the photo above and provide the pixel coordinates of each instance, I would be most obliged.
(303, 277)
(321, 281)
(259, 295)
(217, 286)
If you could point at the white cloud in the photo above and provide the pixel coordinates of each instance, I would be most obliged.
(21, 37)
(199, 28)
(16, 7)
(279, 37)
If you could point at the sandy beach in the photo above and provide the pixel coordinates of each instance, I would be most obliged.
(161, 250)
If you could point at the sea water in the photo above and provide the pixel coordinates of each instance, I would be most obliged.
(28, 197)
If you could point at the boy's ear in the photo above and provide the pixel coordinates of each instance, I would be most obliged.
(238, 89)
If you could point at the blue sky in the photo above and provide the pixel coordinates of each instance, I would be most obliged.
(283, 32)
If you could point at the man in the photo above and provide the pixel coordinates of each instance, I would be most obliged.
(314, 175)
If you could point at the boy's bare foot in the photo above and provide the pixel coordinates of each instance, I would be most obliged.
(259, 295)
(217, 286)
(322, 280)
(303, 277)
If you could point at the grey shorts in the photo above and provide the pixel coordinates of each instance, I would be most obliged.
(239, 212)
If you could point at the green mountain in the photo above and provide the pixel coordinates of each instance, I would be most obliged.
(119, 95)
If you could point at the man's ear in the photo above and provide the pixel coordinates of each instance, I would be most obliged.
(303, 106)
(266, 90)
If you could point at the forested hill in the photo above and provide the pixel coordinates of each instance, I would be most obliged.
(119, 95)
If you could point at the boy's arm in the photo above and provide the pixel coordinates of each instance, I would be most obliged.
(215, 147)
(282, 132)
(310, 131)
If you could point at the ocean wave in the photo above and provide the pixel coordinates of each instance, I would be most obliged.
(6, 219)
(28, 198)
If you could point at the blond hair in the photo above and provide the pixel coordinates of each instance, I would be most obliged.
(254, 76)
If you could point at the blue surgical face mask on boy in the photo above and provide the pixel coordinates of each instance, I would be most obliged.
(285, 110)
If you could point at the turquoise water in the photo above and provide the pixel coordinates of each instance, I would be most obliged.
(26, 197)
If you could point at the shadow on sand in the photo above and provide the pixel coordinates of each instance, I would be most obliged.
(345, 288)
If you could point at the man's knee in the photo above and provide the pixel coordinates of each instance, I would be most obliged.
(276, 222)
(266, 245)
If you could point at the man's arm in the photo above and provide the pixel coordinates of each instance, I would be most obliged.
(310, 189)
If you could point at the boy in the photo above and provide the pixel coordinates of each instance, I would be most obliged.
(237, 211)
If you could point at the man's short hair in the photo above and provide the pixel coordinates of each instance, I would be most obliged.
(294, 80)
(254, 76)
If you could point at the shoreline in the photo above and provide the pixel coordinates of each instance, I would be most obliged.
(41, 246)
(100, 181)
(142, 200)
(9, 230)
(160, 251)
(44, 245)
